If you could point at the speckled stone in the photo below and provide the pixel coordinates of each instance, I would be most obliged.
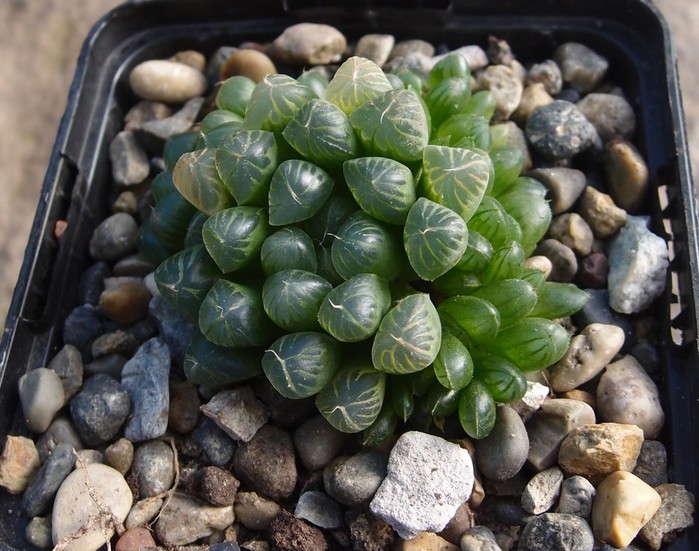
(577, 493)
(187, 519)
(100, 409)
(602, 214)
(651, 466)
(119, 455)
(542, 491)
(558, 531)
(610, 114)
(154, 468)
(675, 515)
(547, 73)
(68, 364)
(505, 88)
(353, 481)
(581, 67)
(39, 494)
(60, 431)
(238, 412)
(559, 130)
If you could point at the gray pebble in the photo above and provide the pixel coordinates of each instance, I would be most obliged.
(100, 409)
(133, 265)
(237, 412)
(558, 531)
(564, 263)
(115, 342)
(173, 328)
(675, 515)
(255, 512)
(565, 185)
(428, 480)
(559, 130)
(309, 44)
(145, 111)
(68, 364)
(43, 486)
(114, 238)
(376, 47)
(216, 61)
(353, 481)
(166, 81)
(130, 165)
(505, 88)
(317, 442)
(611, 115)
(267, 463)
(41, 395)
(511, 514)
(502, 453)
(91, 283)
(581, 67)
(154, 467)
(651, 465)
(152, 134)
(145, 377)
(111, 365)
(60, 431)
(187, 519)
(414, 61)
(319, 509)
(627, 175)
(577, 495)
(283, 412)
(479, 538)
(542, 491)
(143, 511)
(38, 532)
(214, 442)
(638, 263)
(597, 310)
(547, 73)
(119, 455)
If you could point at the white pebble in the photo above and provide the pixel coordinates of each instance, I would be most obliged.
(167, 81)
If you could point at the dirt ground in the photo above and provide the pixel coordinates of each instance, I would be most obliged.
(39, 45)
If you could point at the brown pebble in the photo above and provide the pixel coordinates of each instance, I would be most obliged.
(462, 520)
(135, 539)
(216, 486)
(628, 175)
(593, 270)
(196, 60)
(119, 455)
(289, 533)
(183, 413)
(126, 302)
(249, 63)
(18, 462)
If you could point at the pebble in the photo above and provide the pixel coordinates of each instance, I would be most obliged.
(237, 412)
(319, 509)
(91, 282)
(119, 455)
(558, 531)
(594, 451)
(412, 46)
(248, 63)
(289, 533)
(183, 413)
(100, 409)
(627, 394)
(152, 134)
(18, 462)
(309, 44)
(317, 442)
(676, 514)
(42, 396)
(143, 512)
(572, 230)
(254, 511)
(167, 81)
(622, 506)
(146, 378)
(135, 539)
(564, 263)
(610, 114)
(559, 130)
(549, 427)
(110, 365)
(533, 97)
(597, 310)
(414, 61)
(154, 468)
(61, 430)
(547, 73)
(88, 456)
(428, 479)
(38, 495)
(133, 265)
(126, 302)
(581, 67)
(499, 51)
(114, 238)
(638, 263)
(76, 507)
(370, 533)
(194, 59)
(505, 88)
(588, 354)
(130, 164)
(462, 520)
(38, 532)
(217, 446)
(283, 412)
(651, 465)
(115, 342)
(145, 111)
(601, 213)
(187, 519)
(68, 364)
(565, 186)
(266, 463)
(593, 271)
(479, 538)
(215, 485)
(502, 453)
(376, 47)
(542, 491)
(474, 55)
(173, 328)
(353, 481)
(426, 541)
(627, 175)
(576, 497)
(534, 396)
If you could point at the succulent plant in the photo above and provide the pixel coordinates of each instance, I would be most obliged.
(361, 240)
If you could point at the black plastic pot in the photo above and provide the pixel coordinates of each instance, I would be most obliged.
(630, 33)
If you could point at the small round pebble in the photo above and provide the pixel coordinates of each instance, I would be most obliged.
(309, 44)
(289, 533)
(559, 130)
(216, 486)
(91, 283)
(502, 453)
(217, 446)
(114, 238)
(572, 230)
(68, 364)
(38, 532)
(564, 263)
(119, 455)
(42, 396)
(576, 497)
(254, 511)
(135, 539)
(601, 212)
(317, 442)
(611, 115)
(581, 67)
(376, 47)
(593, 271)
(166, 81)
(565, 186)
(627, 174)
(353, 481)
(126, 302)
(154, 467)
(248, 63)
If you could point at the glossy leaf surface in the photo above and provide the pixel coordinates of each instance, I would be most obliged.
(233, 237)
(213, 366)
(297, 191)
(274, 102)
(196, 178)
(356, 81)
(291, 298)
(286, 249)
(475, 317)
(477, 410)
(453, 365)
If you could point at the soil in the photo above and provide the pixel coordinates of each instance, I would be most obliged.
(40, 41)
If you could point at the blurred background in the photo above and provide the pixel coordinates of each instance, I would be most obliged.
(39, 45)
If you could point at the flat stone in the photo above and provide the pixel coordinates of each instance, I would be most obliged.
(154, 468)
(18, 462)
(675, 515)
(603, 216)
(90, 492)
(114, 238)
(130, 164)
(39, 494)
(309, 44)
(588, 354)
(68, 364)
(576, 497)
(317, 442)
(100, 409)
(638, 263)
(479, 538)
(581, 67)
(627, 394)
(254, 511)
(651, 465)
(595, 451)
(187, 519)
(622, 506)
(505, 88)
(547, 73)
(572, 230)
(502, 453)
(146, 378)
(376, 47)
(319, 509)
(428, 479)
(61, 430)
(549, 427)
(237, 412)
(565, 186)
(542, 491)
(558, 130)
(556, 531)
(166, 81)
(42, 396)
(354, 480)
(115, 342)
(627, 175)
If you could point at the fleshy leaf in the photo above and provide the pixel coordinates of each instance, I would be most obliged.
(559, 300)
(286, 249)
(477, 410)
(274, 101)
(213, 366)
(453, 365)
(514, 299)
(234, 94)
(470, 318)
(502, 378)
(292, 298)
(297, 191)
(494, 223)
(355, 82)
(233, 237)
(196, 178)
